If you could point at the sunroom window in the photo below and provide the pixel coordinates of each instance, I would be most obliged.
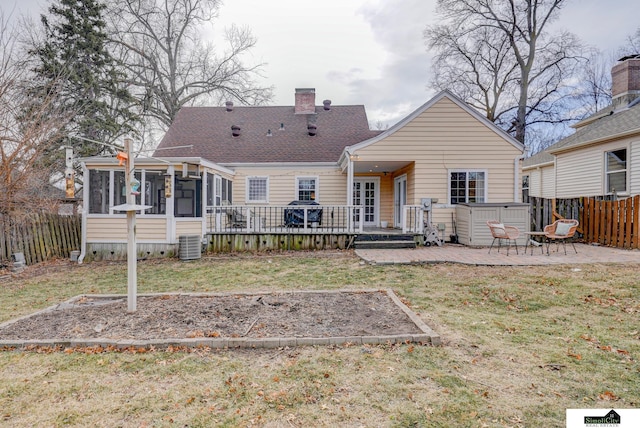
(108, 189)
(154, 192)
(187, 197)
(99, 197)
(616, 171)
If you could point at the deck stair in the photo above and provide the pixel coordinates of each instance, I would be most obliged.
(384, 241)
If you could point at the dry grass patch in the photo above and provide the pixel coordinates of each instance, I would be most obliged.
(520, 346)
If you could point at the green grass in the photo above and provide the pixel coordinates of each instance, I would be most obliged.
(520, 345)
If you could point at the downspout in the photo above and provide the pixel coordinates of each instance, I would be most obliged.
(85, 202)
(517, 189)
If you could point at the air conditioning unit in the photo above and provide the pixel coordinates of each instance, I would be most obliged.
(190, 247)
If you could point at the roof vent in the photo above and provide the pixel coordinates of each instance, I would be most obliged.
(282, 126)
(269, 134)
(229, 105)
(235, 130)
(313, 129)
(327, 104)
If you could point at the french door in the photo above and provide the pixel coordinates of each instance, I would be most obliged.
(399, 198)
(366, 193)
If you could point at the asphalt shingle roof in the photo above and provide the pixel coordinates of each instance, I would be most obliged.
(616, 123)
(208, 129)
(611, 124)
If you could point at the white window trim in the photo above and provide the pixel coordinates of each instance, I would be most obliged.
(467, 170)
(605, 183)
(307, 177)
(256, 177)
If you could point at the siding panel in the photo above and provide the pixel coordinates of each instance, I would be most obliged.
(446, 137)
(634, 167)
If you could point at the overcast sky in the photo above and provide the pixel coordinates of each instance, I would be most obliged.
(371, 52)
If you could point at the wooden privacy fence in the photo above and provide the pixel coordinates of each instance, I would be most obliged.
(39, 237)
(613, 223)
(546, 211)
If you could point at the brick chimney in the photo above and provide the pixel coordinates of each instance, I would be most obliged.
(625, 78)
(305, 101)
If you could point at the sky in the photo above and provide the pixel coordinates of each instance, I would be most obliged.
(369, 52)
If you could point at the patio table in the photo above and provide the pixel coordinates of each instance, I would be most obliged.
(530, 239)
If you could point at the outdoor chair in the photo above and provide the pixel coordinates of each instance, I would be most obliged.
(501, 232)
(236, 218)
(561, 230)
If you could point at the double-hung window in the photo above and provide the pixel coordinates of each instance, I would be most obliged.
(467, 186)
(307, 188)
(616, 171)
(257, 189)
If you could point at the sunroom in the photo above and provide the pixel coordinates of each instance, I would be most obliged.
(175, 194)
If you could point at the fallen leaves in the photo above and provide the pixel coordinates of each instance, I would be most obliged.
(608, 396)
(606, 348)
(573, 355)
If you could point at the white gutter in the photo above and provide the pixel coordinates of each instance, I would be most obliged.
(516, 174)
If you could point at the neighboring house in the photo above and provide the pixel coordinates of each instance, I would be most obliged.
(603, 156)
(219, 162)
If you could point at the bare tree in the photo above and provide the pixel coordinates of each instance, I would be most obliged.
(593, 89)
(26, 134)
(169, 65)
(519, 68)
(631, 46)
(478, 69)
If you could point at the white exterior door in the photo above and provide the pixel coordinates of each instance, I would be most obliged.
(399, 198)
(366, 193)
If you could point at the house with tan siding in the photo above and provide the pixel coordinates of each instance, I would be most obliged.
(247, 176)
(602, 157)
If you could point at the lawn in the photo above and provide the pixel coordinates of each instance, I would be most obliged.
(520, 345)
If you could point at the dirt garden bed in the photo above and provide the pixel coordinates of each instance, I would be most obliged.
(218, 320)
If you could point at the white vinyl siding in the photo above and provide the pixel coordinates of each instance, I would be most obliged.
(445, 137)
(113, 228)
(185, 226)
(332, 183)
(548, 179)
(582, 172)
(535, 182)
(634, 168)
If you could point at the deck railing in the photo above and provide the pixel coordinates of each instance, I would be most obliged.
(284, 219)
(413, 219)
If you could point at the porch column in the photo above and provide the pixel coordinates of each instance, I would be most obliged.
(350, 211)
(350, 181)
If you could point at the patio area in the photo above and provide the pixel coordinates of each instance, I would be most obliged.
(455, 253)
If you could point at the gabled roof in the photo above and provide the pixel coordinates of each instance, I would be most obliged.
(208, 129)
(443, 94)
(539, 159)
(615, 124)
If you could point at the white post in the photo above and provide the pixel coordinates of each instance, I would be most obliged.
(131, 231)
